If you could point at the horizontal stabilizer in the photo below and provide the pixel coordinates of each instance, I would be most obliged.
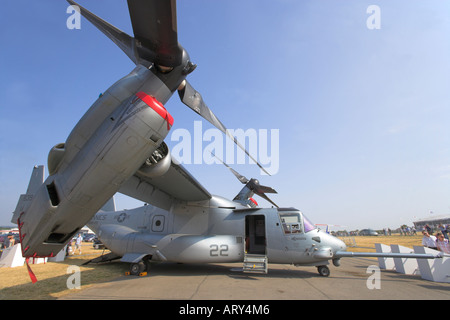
(36, 180)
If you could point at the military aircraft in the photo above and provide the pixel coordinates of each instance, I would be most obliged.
(118, 146)
(214, 230)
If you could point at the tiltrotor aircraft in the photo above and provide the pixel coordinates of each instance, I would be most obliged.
(118, 146)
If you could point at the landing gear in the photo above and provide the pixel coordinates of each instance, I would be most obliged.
(137, 268)
(141, 267)
(324, 271)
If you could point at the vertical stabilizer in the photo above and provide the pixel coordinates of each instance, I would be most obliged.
(36, 180)
(109, 206)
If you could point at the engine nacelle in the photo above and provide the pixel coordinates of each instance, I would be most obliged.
(158, 163)
(54, 157)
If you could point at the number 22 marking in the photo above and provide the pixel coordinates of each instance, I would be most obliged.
(215, 252)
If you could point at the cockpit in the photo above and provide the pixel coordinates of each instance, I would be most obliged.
(293, 221)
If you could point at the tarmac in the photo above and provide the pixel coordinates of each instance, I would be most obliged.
(189, 282)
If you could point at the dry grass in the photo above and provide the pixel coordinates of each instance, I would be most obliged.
(367, 244)
(15, 283)
(52, 277)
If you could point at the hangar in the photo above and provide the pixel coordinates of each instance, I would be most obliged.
(433, 221)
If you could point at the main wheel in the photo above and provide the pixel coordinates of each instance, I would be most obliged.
(137, 268)
(324, 271)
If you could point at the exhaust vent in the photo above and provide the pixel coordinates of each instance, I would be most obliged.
(52, 194)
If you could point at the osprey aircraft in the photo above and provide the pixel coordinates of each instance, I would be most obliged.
(118, 146)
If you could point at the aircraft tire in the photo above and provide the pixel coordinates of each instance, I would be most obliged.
(137, 268)
(324, 271)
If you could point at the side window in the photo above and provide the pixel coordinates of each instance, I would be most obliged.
(308, 224)
(158, 223)
(291, 223)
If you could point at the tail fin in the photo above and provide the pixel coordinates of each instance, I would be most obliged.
(36, 180)
(109, 206)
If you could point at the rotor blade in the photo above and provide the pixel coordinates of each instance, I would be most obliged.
(120, 38)
(193, 99)
(262, 195)
(154, 25)
(240, 177)
(264, 189)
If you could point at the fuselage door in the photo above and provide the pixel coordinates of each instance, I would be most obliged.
(255, 234)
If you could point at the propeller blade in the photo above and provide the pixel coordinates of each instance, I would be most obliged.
(252, 184)
(260, 190)
(120, 38)
(264, 189)
(262, 195)
(193, 99)
(154, 25)
(240, 177)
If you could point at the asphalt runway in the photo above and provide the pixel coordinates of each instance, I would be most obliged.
(170, 281)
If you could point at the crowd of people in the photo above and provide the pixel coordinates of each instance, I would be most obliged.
(439, 241)
(8, 240)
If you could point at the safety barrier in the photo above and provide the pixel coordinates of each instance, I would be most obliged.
(437, 270)
(12, 257)
(349, 241)
(384, 263)
(405, 265)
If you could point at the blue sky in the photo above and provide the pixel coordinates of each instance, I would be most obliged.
(363, 115)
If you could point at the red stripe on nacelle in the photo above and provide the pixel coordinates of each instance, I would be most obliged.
(155, 105)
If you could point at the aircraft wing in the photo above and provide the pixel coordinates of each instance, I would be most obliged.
(177, 183)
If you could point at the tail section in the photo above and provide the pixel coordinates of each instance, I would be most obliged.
(109, 206)
(36, 180)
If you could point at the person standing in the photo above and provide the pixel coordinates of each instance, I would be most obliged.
(428, 240)
(442, 243)
(78, 243)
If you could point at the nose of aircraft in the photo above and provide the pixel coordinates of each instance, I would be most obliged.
(334, 243)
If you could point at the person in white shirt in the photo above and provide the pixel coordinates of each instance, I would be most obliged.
(428, 240)
(78, 244)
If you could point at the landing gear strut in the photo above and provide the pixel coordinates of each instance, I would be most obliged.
(324, 271)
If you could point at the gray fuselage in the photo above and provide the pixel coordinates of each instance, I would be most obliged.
(218, 230)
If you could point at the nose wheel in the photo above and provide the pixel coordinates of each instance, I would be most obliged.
(324, 271)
